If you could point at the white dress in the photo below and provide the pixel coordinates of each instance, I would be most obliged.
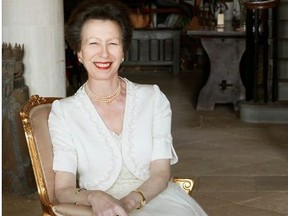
(84, 146)
(172, 202)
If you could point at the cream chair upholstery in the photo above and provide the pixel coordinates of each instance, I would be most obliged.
(34, 115)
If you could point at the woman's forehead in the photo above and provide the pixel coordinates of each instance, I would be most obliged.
(99, 26)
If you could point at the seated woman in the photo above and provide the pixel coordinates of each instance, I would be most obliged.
(112, 140)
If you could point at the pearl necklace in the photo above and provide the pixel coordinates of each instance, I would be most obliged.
(103, 99)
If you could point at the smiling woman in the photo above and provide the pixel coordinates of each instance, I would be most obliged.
(112, 142)
(101, 50)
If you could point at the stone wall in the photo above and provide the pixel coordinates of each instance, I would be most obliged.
(17, 173)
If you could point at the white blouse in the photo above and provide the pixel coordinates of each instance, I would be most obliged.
(84, 146)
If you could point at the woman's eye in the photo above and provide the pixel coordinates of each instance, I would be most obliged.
(114, 43)
(93, 43)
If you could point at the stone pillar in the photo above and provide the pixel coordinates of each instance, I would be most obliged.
(39, 24)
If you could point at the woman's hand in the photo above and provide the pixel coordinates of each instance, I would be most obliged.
(131, 201)
(104, 204)
(155, 184)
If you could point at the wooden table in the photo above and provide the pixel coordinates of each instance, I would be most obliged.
(224, 47)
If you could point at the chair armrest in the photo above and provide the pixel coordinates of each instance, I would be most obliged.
(185, 183)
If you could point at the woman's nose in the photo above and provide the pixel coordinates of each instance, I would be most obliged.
(104, 53)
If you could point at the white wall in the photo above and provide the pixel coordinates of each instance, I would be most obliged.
(39, 25)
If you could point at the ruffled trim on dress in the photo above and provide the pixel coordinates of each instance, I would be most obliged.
(100, 128)
(132, 104)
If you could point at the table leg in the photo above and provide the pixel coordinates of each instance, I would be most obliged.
(224, 84)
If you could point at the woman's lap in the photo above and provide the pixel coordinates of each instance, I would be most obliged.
(171, 202)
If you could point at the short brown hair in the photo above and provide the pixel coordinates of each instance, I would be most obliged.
(98, 9)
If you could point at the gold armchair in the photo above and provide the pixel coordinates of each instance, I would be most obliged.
(34, 115)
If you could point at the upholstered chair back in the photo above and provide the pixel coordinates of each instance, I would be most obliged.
(34, 115)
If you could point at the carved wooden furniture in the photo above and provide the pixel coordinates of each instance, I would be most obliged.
(34, 115)
(186, 184)
(17, 173)
(224, 47)
(155, 47)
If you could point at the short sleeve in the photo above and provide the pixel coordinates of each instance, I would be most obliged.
(162, 138)
(65, 156)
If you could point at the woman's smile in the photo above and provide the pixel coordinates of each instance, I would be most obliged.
(103, 65)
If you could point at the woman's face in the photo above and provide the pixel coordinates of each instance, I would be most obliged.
(101, 50)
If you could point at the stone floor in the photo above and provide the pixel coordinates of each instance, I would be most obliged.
(240, 169)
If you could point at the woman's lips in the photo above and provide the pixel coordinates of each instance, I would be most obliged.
(103, 65)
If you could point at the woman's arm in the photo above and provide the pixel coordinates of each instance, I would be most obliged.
(155, 184)
(101, 202)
